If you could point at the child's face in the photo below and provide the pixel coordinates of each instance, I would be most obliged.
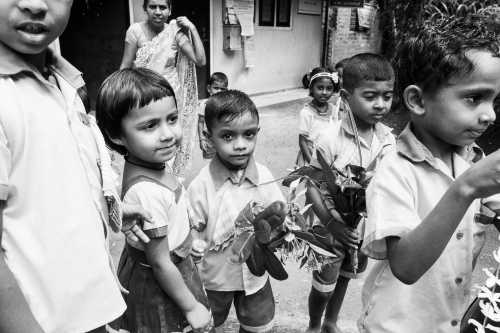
(322, 90)
(461, 110)
(234, 141)
(370, 101)
(28, 27)
(153, 132)
(215, 87)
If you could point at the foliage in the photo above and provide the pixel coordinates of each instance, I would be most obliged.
(398, 19)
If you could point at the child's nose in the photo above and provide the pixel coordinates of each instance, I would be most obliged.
(166, 133)
(488, 116)
(239, 144)
(34, 7)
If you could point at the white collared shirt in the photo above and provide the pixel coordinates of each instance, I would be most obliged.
(216, 200)
(53, 222)
(408, 184)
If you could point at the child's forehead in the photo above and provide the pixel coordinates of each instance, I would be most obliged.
(375, 85)
(246, 119)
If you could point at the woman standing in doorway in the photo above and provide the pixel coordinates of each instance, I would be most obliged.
(171, 49)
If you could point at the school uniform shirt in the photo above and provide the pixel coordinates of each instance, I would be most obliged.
(168, 209)
(408, 184)
(217, 195)
(337, 144)
(53, 223)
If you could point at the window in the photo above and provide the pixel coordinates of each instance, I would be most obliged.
(275, 13)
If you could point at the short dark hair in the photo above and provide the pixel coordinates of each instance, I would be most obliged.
(228, 105)
(146, 2)
(316, 70)
(218, 77)
(122, 91)
(437, 53)
(365, 67)
(341, 63)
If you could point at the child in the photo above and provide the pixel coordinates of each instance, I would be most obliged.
(137, 111)
(217, 195)
(367, 90)
(56, 195)
(317, 114)
(422, 200)
(216, 83)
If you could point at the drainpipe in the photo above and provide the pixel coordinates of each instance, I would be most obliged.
(324, 26)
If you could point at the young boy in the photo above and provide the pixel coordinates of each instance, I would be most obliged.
(216, 83)
(221, 190)
(367, 90)
(55, 274)
(422, 200)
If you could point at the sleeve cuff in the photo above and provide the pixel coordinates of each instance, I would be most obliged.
(374, 245)
(4, 192)
(157, 232)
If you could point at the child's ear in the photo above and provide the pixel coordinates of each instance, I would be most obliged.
(413, 99)
(116, 141)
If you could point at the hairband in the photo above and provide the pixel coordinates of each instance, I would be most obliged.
(333, 76)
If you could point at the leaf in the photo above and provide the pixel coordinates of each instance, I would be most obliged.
(305, 209)
(242, 247)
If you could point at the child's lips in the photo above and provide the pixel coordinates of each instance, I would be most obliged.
(32, 27)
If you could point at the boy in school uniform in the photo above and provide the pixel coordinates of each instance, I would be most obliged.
(56, 194)
(217, 195)
(368, 81)
(423, 199)
(216, 83)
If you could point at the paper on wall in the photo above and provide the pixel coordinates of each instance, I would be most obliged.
(244, 10)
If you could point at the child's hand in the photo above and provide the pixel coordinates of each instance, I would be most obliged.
(199, 316)
(345, 235)
(198, 249)
(133, 216)
(482, 179)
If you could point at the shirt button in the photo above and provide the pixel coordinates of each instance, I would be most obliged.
(460, 235)
(454, 322)
(458, 280)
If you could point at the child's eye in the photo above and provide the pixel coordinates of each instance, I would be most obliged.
(250, 135)
(148, 126)
(227, 137)
(473, 99)
(388, 97)
(172, 119)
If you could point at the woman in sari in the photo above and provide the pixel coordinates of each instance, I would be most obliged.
(171, 49)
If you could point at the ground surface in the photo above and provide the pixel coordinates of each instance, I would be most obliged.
(277, 149)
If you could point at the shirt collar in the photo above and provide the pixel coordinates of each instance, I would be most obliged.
(413, 149)
(381, 131)
(12, 64)
(220, 173)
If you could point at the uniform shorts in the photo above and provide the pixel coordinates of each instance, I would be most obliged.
(255, 312)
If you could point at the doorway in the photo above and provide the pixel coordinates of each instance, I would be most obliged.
(94, 38)
(197, 12)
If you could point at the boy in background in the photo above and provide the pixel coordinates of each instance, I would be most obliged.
(216, 83)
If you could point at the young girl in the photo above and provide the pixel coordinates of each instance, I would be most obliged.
(317, 114)
(137, 111)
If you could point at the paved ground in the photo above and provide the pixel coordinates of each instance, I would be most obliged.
(277, 148)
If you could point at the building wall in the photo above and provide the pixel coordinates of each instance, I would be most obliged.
(345, 42)
(282, 55)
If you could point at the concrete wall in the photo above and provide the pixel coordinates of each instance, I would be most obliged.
(346, 43)
(282, 55)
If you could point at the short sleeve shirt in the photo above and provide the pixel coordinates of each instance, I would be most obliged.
(168, 209)
(408, 184)
(53, 225)
(216, 198)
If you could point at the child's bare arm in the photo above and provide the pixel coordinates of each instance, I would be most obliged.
(411, 255)
(339, 231)
(15, 315)
(304, 148)
(128, 58)
(171, 281)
